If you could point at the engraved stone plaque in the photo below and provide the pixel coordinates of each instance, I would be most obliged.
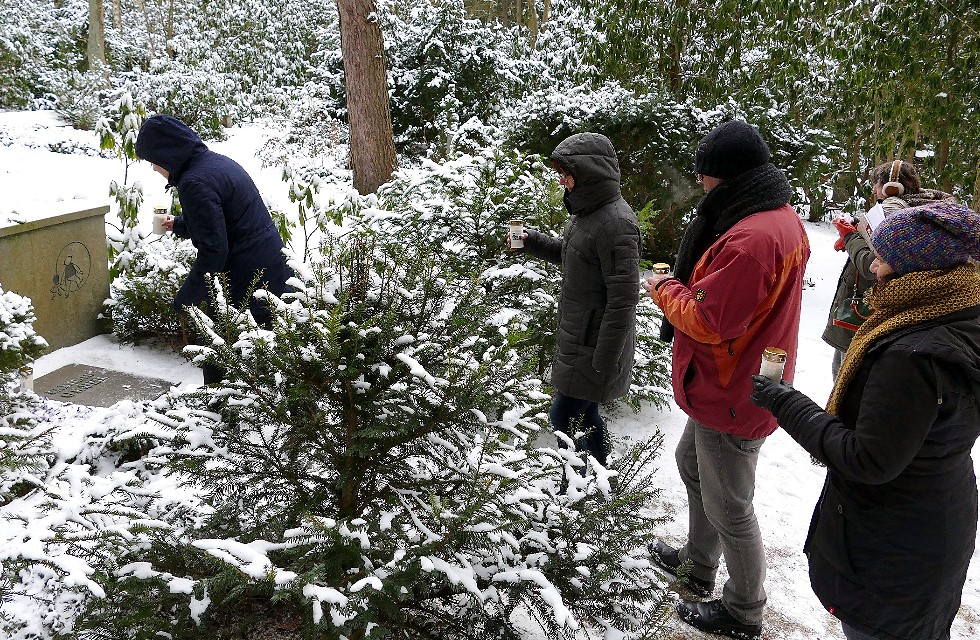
(96, 387)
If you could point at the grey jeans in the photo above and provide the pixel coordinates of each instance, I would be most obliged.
(837, 361)
(718, 471)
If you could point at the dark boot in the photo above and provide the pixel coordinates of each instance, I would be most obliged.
(668, 559)
(599, 443)
(713, 617)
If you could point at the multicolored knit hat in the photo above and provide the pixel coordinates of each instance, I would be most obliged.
(939, 235)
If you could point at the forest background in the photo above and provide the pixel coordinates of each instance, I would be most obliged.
(179, 507)
(837, 87)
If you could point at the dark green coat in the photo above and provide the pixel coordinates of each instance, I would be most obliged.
(858, 265)
(599, 253)
(857, 270)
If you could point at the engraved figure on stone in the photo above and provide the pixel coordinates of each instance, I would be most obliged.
(71, 271)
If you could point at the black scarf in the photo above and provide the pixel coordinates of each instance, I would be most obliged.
(761, 189)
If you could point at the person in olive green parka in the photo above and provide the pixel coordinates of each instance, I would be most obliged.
(599, 253)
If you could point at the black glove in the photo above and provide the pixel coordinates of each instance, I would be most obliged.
(768, 394)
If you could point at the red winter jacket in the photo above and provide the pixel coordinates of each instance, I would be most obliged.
(744, 295)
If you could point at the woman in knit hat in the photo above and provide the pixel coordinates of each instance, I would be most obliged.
(893, 533)
(896, 185)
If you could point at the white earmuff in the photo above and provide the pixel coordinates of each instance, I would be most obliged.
(893, 187)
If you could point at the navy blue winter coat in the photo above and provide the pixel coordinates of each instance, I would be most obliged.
(223, 215)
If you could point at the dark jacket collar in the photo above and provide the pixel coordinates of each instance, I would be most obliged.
(970, 316)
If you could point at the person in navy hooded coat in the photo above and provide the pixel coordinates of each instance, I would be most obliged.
(223, 215)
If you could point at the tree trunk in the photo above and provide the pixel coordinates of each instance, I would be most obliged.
(845, 181)
(942, 163)
(372, 144)
(532, 22)
(117, 15)
(151, 36)
(96, 36)
(505, 12)
(171, 9)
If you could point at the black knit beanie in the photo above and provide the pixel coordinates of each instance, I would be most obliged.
(731, 149)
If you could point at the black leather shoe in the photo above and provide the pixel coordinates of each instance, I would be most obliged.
(668, 559)
(713, 617)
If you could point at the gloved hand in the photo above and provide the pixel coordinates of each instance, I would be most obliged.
(768, 394)
(843, 228)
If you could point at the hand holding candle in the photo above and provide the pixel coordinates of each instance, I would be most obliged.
(162, 220)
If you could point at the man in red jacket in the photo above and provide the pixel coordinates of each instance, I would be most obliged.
(736, 289)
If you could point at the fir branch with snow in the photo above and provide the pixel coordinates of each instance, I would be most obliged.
(140, 303)
(19, 343)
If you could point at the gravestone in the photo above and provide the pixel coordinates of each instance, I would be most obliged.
(97, 387)
(62, 265)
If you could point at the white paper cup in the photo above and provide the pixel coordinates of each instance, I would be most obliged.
(158, 220)
(516, 231)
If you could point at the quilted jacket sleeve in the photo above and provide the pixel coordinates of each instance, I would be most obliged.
(543, 246)
(205, 222)
(618, 249)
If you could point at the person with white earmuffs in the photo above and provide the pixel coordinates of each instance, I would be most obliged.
(896, 185)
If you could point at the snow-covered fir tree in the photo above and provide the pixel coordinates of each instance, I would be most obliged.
(374, 466)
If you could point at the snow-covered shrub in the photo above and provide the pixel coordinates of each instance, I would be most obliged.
(40, 44)
(77, 97)
(198, 95)
(445, 68)
(462, 206)
(369, 471)
(140, 303)
(70, 514)
(19, 344)
(17, 49)
(19, 347)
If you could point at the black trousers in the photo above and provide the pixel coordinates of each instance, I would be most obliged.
(569, 415)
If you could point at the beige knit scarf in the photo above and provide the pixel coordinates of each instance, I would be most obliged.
(904, 302)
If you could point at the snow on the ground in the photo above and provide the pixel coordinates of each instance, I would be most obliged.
(38, 182)
(108, 353)
(35, 181)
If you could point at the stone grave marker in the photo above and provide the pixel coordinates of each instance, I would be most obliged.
(60, 263)
(97, 387)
